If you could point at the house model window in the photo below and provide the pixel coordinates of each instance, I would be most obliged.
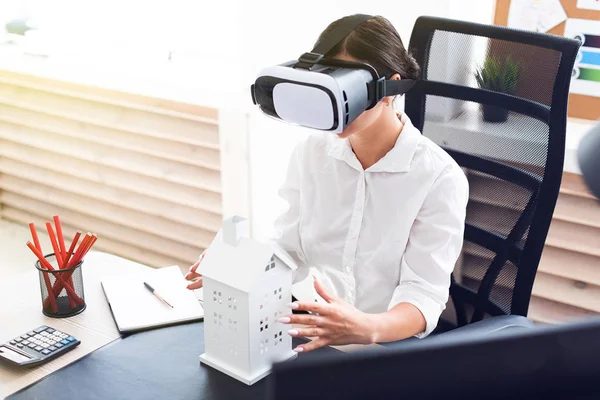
(250, 284)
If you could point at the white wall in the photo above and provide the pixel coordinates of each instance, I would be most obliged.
(273, 35)
(219, 48)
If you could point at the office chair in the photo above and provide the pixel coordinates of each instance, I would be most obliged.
(496, 100)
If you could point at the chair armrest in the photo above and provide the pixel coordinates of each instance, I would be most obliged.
(487, 327)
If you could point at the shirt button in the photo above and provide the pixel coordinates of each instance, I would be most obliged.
(348, 268)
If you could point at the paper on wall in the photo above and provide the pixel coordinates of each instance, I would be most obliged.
(552, 13)
(536, 15)
(523, 14)
(589, 4)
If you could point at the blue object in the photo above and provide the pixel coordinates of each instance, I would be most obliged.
(590, 57)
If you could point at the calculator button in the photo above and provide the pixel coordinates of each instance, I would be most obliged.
(24, 337)
(31, 333)
(39, 348)
(38, 342)
(58, 345)
(44, 333)
(45, 345)
(25, 342)
(19, 345)
(65, 342)
(32, 345)
(50, 330)
(40, 329)
(51, 348)
(18, 340)
(71, 339)
(13, 342)
(45, 351)
(37, 336)
(63, 335)
(51, 343)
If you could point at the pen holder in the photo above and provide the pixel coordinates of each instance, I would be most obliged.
(61, 289)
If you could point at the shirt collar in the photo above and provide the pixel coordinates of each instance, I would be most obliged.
(398, 159)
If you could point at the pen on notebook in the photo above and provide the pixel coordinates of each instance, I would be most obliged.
(150, 288)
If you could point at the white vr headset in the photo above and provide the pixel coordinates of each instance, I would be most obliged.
(323, 93)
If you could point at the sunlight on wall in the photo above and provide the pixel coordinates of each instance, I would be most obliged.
(215, 47)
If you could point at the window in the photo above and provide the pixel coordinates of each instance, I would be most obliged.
(264, 346)
(271, 264)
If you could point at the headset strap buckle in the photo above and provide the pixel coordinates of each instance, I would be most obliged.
(380, 89)
(307, 60)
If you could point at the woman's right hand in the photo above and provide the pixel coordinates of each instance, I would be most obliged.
(192, 275)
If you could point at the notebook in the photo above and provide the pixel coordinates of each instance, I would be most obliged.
(135, 308)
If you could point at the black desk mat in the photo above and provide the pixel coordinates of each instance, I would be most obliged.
(156, 364)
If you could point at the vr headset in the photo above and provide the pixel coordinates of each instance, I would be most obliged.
(323, 93)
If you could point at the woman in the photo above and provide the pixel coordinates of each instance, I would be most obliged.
(377, 213)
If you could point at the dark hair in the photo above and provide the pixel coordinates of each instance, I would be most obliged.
(377, 43)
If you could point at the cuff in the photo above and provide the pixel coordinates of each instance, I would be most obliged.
(430, 308)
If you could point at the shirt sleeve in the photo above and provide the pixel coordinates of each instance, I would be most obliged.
(286, 232)
(433, 247)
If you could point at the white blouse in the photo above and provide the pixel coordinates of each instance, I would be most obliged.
(378, 237)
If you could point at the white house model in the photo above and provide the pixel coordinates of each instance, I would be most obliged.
(247, 286)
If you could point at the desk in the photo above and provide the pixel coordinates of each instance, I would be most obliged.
(157, 364)
(160, 360)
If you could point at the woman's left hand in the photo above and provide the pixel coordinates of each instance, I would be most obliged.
(336, 322)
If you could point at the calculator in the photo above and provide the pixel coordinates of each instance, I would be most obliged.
(37, 347)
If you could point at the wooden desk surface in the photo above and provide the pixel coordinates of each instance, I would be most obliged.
(21, 312)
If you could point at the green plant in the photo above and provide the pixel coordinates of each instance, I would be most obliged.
(497, 76)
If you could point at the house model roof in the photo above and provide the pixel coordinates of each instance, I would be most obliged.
(240, 265)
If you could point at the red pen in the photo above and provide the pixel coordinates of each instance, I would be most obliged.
(61, 240)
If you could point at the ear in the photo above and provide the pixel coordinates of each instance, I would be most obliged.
(389, 99)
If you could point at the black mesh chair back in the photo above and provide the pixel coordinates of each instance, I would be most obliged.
(496, 100)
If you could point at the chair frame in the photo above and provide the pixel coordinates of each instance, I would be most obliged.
(537, 215)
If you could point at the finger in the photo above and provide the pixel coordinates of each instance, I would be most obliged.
(195, 285)
(192, 275)
(313, 345)
(321, 309)
(328, 297)
(307, 332)
(194, 267)
(303, 319)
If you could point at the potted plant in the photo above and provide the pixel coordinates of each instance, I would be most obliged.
(501, 77)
